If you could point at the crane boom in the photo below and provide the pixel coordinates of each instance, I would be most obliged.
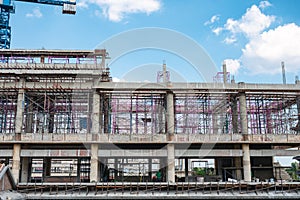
(50, 2)
(6, 7)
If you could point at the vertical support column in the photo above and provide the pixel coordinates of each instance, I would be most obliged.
(106, 110)
(78, 169)
(238, 164)
(171, 163)
(19, 114)
(186, 169)
(116, 168)
(150, 169)
(170, 135)
(243, 113)
(25, 169)
(170, 116)
(94, 163)
(246, 162)
(29, 118)
(96, 115)
(47, 167)
(234, 115)
(16, 162)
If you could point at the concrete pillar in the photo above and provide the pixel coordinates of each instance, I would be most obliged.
(150, 169)
(116, 168)
(106, 111)
(96, 114)
(78, 169)
(170, 115)
(246, 162)
(171, 163)
(16, 162)
(47, 167)
(94, 163)
(25, 169)
(19, 114)
(234, 110)
(243, 113)
(186, 169)
(29, 118)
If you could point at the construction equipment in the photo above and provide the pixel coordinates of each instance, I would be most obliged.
(7, 7)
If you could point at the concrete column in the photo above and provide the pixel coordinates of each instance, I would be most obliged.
(243, 113)
(170, 115)
(106, 111)
(234, 110)
(150, 169)
(94, 163)
(78, 169)
(47, 167)
(19, 114)
(116, 168)
(171, 163)
(238, 164)
(16, 162)
(246, 162)
(25, 169)
(96, 114)
(186, 169)
(29, 118)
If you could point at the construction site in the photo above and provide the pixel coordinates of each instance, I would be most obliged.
(67, 131)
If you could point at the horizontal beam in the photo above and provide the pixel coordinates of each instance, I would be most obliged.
(134, 153)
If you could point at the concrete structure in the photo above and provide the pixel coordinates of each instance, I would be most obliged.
(59, 105)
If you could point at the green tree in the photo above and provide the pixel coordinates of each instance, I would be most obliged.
(293, 171)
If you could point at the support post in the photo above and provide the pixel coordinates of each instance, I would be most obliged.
(150, 169)
(243, 114)
(16, 162)
(171, 163)
(29, 118)
(186, 169)
(94, 163)
(170, 116)
(170, 134)
(246, 162)
(25, 169)
(19, 114)
(234, 115)
(96, 115)
(46, 167)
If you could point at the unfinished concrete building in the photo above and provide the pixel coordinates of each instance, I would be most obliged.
(62, 119)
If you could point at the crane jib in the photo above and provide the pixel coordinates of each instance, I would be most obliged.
(53, 2)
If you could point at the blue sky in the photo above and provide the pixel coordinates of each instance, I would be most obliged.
(252, 37)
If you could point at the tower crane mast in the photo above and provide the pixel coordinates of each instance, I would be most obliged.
(7, 7)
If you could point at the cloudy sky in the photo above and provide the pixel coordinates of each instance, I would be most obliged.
(251, 37)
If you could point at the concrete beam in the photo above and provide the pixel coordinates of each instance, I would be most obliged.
(150, 153)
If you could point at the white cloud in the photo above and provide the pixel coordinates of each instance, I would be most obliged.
(232, 66)
(217, 31)
(264, 4)
(36, 13)
(116, 10)
(230, 40)
(251, 24)
(264, 53)
(212, 20)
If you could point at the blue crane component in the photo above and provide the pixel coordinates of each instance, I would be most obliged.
(7, 7)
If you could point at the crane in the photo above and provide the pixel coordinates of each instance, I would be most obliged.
(7, 7)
